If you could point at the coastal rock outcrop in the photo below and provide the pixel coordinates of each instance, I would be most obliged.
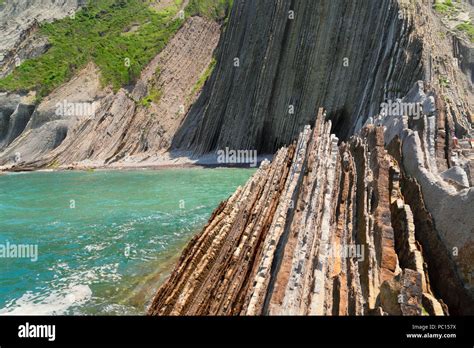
(357, 216)
(325, 229)
(365, 209)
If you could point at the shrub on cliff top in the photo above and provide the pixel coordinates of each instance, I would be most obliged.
(213, 9)
(468, 28)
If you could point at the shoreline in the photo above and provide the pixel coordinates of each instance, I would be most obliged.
(160, 162)
(131, 281)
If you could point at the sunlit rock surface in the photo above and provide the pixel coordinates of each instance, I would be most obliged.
(328, 229)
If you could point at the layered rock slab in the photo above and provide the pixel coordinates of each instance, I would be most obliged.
(323, 230)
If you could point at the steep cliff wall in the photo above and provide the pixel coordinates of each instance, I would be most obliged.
(279, 60)
(344, 55)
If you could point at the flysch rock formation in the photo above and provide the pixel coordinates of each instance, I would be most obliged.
(328, 229)
(120, 126)
(369, 211)
(31, 132)
(381, 223)
(276, 61)
(280, 60)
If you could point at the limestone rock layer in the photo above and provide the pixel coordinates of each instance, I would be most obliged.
(278, 61)
(324, 229)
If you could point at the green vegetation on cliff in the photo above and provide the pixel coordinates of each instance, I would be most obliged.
(153, 96)
(444, 6)
(213, 9)
(119, 36)
(203, 78)
(468, 28)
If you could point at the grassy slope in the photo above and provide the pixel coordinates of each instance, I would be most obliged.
(445, 7)
(468, 28)
(111, 33)
(97, 33)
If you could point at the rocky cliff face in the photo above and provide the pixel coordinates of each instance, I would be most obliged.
(279, 60)
(121, 127)
(275, 63)
(368, 212)
(19, 41)
(327, 230)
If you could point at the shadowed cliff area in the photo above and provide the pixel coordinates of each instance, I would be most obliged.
(279, 60)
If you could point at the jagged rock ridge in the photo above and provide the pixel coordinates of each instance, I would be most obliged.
(326, 230)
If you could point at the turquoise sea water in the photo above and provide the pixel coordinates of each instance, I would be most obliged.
(105, 239)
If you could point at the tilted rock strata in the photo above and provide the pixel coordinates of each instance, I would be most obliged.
(393, 192)
(121, 126)
(325, 230)
(292, 58)
(280, 60)
(428, 149)
(44, 127)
